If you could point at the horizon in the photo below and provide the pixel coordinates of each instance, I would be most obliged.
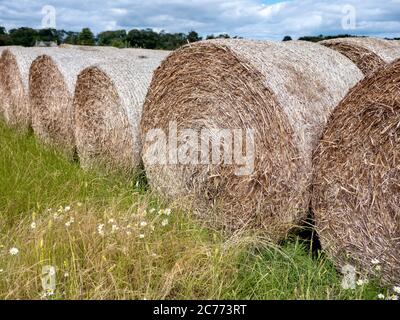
(251, 19)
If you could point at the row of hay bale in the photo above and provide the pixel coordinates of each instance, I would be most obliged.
(38, 89)
(289, 94)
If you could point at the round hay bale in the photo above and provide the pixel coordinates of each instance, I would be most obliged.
(108, 106)
(14, 70)
(52, 84)
(356, 197)
(270, 99)
(369, 54)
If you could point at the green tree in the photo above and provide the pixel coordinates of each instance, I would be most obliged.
(118, 43)
(86, 37)
(49, 35)
(193, 36)
(107, 38)
(322, 37)
(287, 38)
(23, 37)
(4, 37)
(171, 41)
(147, 39)
(71, 37)
(221, 36)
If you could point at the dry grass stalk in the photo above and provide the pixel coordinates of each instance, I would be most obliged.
(108, 106)
(283, 91)
(52, 85)
(14, 75)
(369, 54)
(356, 198)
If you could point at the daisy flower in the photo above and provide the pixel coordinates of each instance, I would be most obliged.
(14, 251)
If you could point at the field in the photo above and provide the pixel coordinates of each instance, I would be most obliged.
(109, 237)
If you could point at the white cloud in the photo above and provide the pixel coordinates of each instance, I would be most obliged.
(247, 18)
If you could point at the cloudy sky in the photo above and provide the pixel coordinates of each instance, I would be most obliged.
(256, 19)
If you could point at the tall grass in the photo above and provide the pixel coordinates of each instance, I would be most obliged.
(109, 238)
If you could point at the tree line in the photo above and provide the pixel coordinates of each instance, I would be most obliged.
(136, 38)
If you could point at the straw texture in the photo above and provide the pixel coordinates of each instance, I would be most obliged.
(356, 197)
(52, 85)
(98, 49)
(108, 106)
(369, 54)
(283, 91)
(14, 71)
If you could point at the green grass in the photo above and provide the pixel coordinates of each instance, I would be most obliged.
(102, 249)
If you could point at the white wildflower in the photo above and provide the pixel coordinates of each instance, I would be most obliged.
(70, 222)
(33, 225)
(396, 290)
(79, 204)
(143, 224)
(66, 275)
(375, 262)
(381, 296)
(57, 216)
(14, 251)
(164, 223)
(114, 228)
(1, 270)
(67, 209)
(100, 229)
(361, 282)
(152, 210)
(167, 212)
(142, 236)
(50, 292)
(111, 221)
(378, 268)
(129, 233)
